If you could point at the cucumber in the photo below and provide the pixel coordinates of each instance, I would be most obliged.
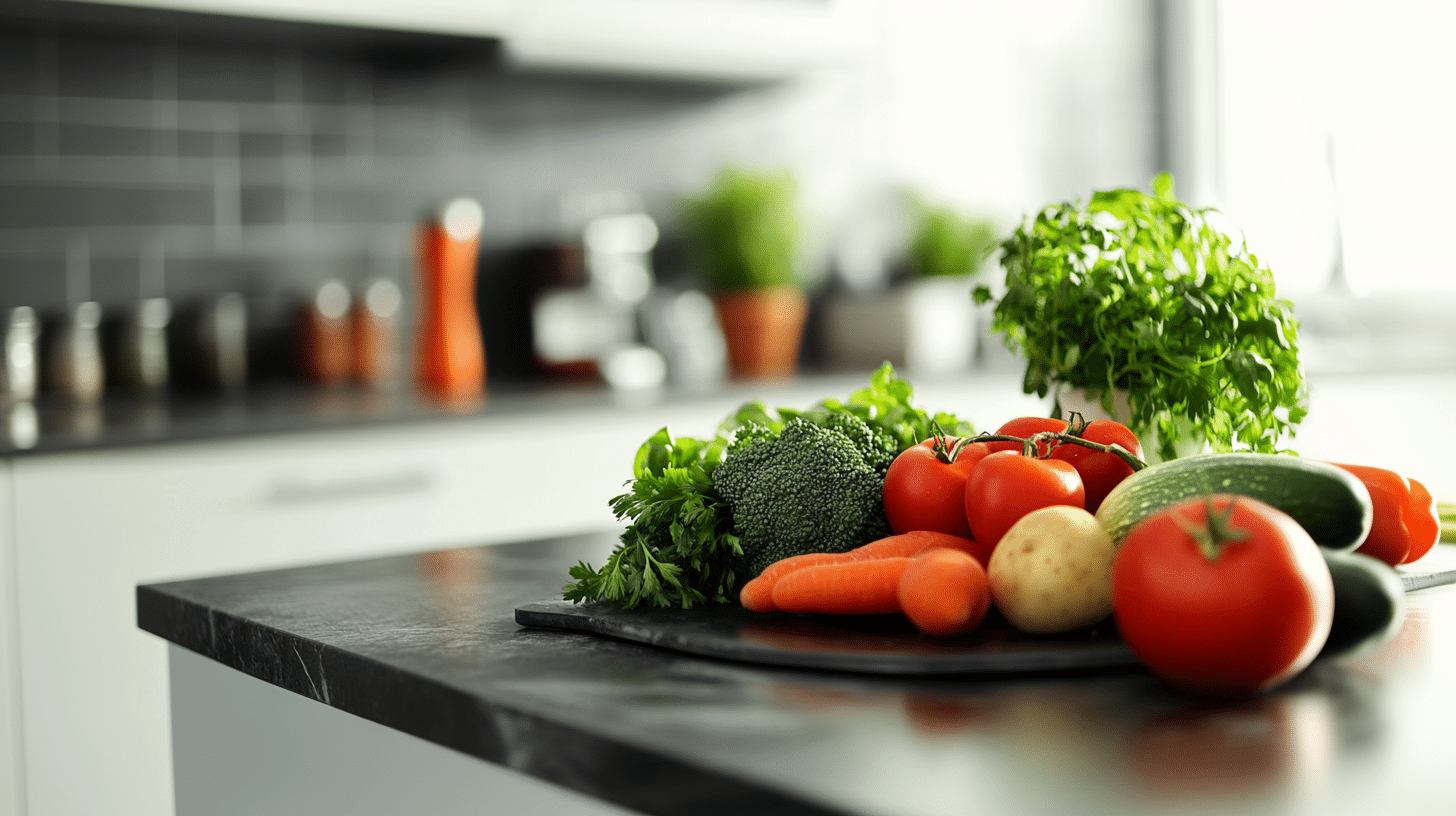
(1369, 603)
(1328, 502)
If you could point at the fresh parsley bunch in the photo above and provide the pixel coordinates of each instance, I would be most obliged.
(1140, 292)
(681, 546)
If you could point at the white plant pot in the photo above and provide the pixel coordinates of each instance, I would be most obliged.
(1089, 405)
(927, 327)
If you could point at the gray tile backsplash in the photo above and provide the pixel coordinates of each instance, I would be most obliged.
(270, 164)
(266, 158)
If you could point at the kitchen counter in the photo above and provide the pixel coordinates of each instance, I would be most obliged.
(54, 425)
(427, 645)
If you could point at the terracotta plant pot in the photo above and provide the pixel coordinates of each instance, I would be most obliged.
(763, 330)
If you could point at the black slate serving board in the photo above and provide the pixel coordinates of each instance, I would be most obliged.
(865, 644)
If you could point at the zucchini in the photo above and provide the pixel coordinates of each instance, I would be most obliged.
(1328, 502)
(1369, 603)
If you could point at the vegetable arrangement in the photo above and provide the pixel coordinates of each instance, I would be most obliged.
(874, 506)
(1226, 572)
(1275, 556)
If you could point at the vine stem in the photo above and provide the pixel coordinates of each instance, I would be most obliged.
(1029, 445)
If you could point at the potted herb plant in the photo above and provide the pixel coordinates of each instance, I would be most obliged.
(925, 321)
(1138, 297)
(746, 232)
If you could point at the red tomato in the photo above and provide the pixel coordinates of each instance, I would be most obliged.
(1239, 620)
(923, 492)
(1405, 525)
(1024, 427)
(1005, 486)
(1100, 471)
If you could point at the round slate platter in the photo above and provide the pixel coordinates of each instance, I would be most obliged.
(866, 644)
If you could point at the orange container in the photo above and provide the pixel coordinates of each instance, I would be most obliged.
(451, 354)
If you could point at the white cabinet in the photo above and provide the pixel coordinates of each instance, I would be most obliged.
(480, 18)
(12, 791)
(91, 732)
(722, 40)
(715, 39)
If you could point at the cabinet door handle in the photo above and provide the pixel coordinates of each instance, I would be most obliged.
(289, 491)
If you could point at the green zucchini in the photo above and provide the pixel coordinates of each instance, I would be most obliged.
(1328, 502)
(1369, 603)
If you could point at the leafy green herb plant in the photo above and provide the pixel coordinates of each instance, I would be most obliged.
(746, 230)
(947, 244)
(1142, 293)
(683, 545)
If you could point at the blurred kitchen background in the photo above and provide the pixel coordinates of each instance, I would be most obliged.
(241, 163)
(348, 259)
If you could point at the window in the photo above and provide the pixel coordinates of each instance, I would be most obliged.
(1338, 140)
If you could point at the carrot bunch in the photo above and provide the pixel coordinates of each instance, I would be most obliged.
(936, 580)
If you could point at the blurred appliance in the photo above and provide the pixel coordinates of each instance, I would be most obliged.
(451, 353)
(683, 326)
(930, 327)
(590, 327)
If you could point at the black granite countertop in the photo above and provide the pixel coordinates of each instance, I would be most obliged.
(55, 425)
(427, 644)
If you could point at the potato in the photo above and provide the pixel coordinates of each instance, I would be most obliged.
(1052, 571)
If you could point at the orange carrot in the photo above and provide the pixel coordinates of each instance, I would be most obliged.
(846, 588)
(903, 545)
(757, 594)
(944, 592)
(912, 544)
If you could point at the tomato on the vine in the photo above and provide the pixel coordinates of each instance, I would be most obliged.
(1405, 524)
(1100, 471)
(925, 488)
(1024, 427)
(1223, 594)
(1004, 486)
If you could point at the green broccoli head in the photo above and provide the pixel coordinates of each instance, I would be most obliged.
(813, 487)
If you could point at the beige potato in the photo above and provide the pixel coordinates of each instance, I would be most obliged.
(1052, 571)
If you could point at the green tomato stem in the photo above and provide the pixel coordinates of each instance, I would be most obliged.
(1214, 533)
(1029, 445)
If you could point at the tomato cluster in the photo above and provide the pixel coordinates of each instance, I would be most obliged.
(979, 489)
(1254, 599)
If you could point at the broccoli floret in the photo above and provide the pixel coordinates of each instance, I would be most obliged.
(813, 487)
